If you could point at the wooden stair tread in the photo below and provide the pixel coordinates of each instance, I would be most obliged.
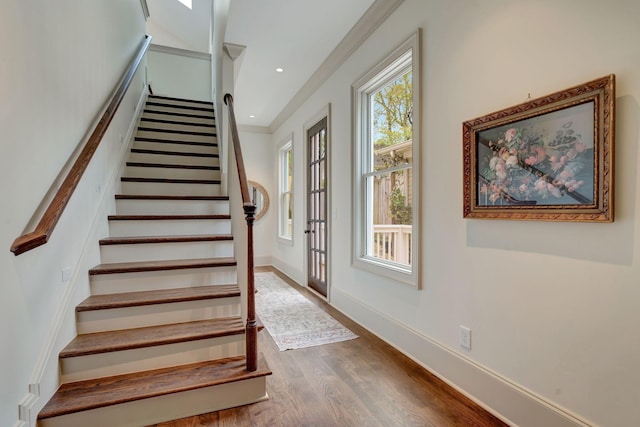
(165, 217)
(133, 240)
(101, 392)
(180, 107)
(168, 197)
(178, 264)
(175, 122)
(171, 180)
(173, 98)
(176, 131)
(149, 336)
(172, 153)
(176, 114)
(165, 296)
(172, 166)
(175, 141)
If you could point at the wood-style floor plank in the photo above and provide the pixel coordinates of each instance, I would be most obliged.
(361, 382)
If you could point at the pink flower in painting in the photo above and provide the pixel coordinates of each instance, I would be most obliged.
(566, 174)
(523, 188)
(580, 147)
(554, 190)
(512, 161)
(537, 155)
(493, 162)
(541, 185)
(510, 134)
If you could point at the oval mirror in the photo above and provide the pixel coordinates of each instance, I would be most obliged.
(260, 198)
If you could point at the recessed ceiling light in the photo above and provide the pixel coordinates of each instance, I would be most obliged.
(252, 116)
(280, 70)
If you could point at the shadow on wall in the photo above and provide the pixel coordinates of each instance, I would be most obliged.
(606, 243)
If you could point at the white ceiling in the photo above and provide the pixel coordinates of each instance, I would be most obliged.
(297, 35)
(173, 24)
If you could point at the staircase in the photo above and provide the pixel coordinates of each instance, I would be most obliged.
(162, 336)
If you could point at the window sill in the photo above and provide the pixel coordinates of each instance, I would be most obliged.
(401, 274)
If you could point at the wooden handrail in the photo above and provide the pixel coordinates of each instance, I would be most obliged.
(42, 232)
(251, 337)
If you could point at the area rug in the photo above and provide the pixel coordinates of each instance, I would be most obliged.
(291, 319)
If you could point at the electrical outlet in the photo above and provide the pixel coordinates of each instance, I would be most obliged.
(66, 274)
(465, 337)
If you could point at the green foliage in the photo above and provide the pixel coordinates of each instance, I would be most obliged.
(400, 212)
(392, 109)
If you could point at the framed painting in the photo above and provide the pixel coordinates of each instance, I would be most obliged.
(548, 159)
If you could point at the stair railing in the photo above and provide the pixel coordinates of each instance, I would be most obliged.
(49, 219)
(249, 211)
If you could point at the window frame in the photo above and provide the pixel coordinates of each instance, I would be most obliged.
(375, 79)
(283, 173)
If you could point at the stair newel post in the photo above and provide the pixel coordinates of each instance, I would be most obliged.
(252, 327)
(249, 207)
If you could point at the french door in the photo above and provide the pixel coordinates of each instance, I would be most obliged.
(317, 256)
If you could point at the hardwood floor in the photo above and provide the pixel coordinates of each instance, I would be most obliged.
(362, 382)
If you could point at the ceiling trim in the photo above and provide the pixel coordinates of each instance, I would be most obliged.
(181, 52)
(145, 9)
(254, 129)
(366, 25)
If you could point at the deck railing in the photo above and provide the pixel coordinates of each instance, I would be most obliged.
(392, 242)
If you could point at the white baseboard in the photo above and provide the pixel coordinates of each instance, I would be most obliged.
(510, 402)
(295, 274)
(45, 372)
(263, 260)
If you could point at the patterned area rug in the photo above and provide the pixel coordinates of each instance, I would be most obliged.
(291, 319)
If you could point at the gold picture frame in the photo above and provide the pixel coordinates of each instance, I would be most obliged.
(548, 159)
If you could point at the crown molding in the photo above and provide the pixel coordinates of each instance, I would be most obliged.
(377, 13)
(145, 9)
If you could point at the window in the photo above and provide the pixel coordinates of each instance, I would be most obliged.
(285, 184)
(386, 184)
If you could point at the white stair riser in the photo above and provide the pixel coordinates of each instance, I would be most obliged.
(170, 173)
(170, 189)
(177, 147)
(121, 228)
(176, 126)
(155, 280)
(173, 159)
(171, 207)
(167, 407)
(208, 120)
(165, 251)
(172, 108)
(211, 139)
(181, 102)
(147, 358)
(156, 314)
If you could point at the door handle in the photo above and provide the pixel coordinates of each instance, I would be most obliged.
(309, 231)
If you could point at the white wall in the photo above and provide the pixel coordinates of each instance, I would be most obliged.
(61, 61)
(552, 306)
(179, 73)
(257, 153)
